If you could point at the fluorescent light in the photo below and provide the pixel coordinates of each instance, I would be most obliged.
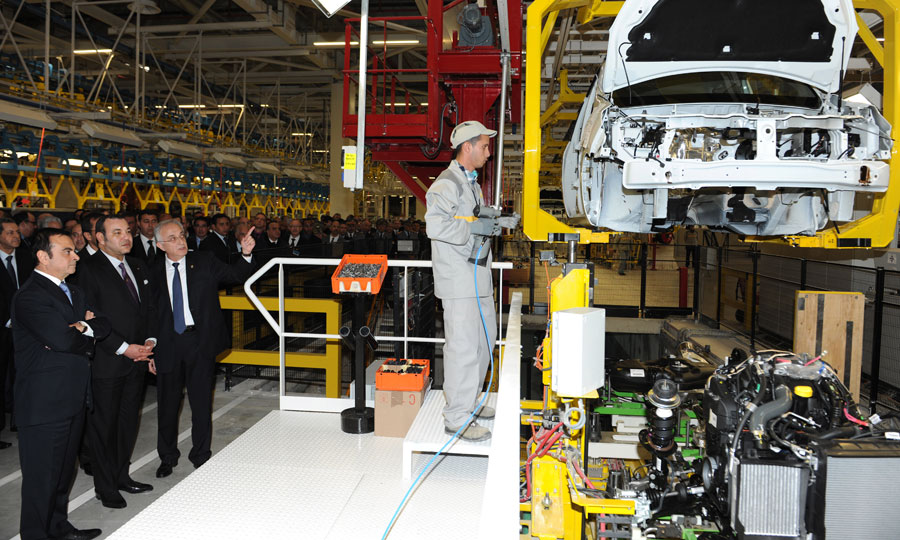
(397, 42)
(320, 151)
(332, 43)
(109, 133)
(231, 106)
(376, 42)
(92, 51)
(294, 173)
(405, 104)
(301, 134)
(27, 116)
(191, 106)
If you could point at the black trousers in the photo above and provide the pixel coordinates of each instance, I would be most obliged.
(197, 374)
(47, 456)
(112, 428)
(7, 371)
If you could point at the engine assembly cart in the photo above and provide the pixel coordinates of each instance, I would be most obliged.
(359, 276)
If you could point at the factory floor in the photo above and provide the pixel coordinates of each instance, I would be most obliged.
(276, 474)
(234, 412)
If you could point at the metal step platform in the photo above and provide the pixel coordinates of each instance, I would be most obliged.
(427, 436)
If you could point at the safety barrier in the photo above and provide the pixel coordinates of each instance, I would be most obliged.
(327, 404)
(329, 361)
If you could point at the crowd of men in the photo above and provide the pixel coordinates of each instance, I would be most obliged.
(95, 301)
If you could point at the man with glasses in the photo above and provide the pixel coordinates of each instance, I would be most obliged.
(191, 331)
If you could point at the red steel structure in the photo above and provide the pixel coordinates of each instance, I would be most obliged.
(411, 136)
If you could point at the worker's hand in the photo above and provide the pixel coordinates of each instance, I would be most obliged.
(485, 227)
(509, 222)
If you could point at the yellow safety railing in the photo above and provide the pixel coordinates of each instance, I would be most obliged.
(329, 361)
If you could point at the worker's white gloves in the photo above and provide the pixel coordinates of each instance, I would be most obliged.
(509, 222)
(485, 226)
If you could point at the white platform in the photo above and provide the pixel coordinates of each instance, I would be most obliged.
(427, 436)
(296, 475)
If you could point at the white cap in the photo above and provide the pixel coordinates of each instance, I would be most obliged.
(469, 130)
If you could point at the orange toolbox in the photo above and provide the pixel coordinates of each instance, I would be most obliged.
(357, 274)
(407, 375)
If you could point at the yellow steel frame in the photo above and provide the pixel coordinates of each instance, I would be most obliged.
(330, 361)
(31, 186)
(878, 226)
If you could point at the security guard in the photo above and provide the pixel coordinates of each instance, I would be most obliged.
(456, 235)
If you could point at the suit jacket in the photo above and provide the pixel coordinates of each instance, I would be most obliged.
(53, 370)
(204, 275)
(24, 266)
(129, 320)
(192, 243)
(138, 251)
(266, 249)
(224, 251)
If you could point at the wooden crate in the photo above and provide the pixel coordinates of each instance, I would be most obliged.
(832, 322)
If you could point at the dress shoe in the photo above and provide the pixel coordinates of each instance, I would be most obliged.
(83, 534)
(86, 467)
(4, 445)
(115, 501)
(164, 470)
(133, 486)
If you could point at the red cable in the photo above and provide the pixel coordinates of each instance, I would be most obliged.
(855, 420)
(40, 147)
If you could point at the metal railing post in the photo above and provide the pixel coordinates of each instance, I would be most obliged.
(876, 339)
(719, 260)
(643, 261)
(754, 255)
(697, 251)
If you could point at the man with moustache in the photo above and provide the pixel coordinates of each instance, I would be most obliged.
(118, 287)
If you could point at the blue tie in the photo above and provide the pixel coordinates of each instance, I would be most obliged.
(65, 288)
(177, 301)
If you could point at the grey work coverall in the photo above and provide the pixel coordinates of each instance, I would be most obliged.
(451, 200)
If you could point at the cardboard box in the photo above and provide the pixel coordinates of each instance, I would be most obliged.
(395, 411)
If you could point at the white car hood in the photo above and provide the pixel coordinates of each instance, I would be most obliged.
(804, 40)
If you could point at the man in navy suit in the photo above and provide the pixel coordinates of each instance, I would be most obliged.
(118, 287)
(17, 263)
(54, 331)
(191, 331)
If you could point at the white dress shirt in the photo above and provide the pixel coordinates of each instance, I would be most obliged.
(15, 266)
(146, 242)
(89, 249)
(56, 281)
(182, 271)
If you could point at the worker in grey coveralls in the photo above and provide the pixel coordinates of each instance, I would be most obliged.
(455, 235)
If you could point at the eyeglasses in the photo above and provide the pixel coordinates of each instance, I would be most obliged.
(172, 238)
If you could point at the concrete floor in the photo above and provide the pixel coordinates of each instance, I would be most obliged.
(234, 412)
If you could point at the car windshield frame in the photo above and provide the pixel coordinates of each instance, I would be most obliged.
(719, 87)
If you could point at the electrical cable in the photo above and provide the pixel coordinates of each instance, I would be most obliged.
(465, 424)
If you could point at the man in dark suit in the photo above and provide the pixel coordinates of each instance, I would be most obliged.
(118, 287)
(271, 245)
(200, 232)
(144, 244)
(17, 263)
(191, 331)
(54, 331)
(220, 242)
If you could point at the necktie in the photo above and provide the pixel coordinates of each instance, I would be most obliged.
(177, 301)
(151, 252)
(65, 288)
(12, 271)
(129, 283)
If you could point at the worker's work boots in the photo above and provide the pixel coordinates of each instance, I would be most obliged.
(486, 413)
(472, 433)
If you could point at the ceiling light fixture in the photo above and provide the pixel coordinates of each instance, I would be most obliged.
(181, 149)
(109, 133)
(230, 160)
(92, 51)
(330, 7)
(27, 116)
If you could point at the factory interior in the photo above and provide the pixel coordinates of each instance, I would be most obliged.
(685, 227)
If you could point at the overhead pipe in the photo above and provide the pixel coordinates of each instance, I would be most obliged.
(361, 98)
(498, 156)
